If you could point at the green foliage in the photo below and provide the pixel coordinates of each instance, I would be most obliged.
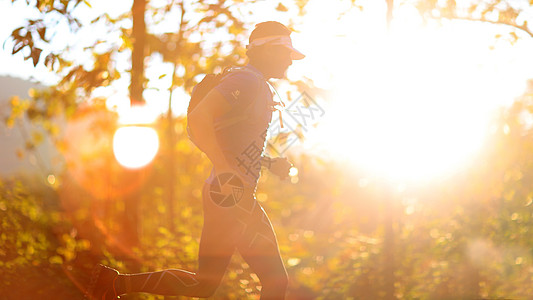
(36, 243)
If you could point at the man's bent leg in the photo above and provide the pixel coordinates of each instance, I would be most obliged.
(174, 282)
(259, 248)
(217, 244)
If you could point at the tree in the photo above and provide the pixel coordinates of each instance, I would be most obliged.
(181, 45)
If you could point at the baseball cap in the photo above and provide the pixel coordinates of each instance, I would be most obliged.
(273, 33)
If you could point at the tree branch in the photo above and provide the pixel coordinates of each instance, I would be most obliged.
(524, 27)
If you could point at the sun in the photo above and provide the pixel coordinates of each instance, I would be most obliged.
(135, 146)
(411, 104)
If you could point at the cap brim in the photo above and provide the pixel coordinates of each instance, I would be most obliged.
(296, 55)
(284, 41)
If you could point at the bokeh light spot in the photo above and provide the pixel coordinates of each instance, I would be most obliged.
(135, 146)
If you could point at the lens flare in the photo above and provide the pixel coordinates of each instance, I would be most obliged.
(135, 146)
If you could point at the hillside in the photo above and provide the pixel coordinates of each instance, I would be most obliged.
(12, 140)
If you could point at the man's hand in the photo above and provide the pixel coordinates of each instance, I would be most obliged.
(280, 166)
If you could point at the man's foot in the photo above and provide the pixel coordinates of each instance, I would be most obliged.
(101, 285)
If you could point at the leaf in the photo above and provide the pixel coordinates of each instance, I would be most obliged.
(37, 138)
(96, 19)
(282, 7)
(35, 55)
(70, 74)
(20, 153)
(18, 46)
(49, 60)
(56, 259)
(514, 37)
(40, 5)
(235, 30)
(29, 145)
(472, 9)
(16, 32)
(42, 33)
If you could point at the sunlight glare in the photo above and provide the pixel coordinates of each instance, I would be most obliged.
(409, 116)
(293, 171)
(411, 104)
(135, 146)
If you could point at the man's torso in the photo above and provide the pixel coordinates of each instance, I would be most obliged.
(244, 142)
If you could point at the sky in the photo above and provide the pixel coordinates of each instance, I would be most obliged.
(426, 90)
(355, 36)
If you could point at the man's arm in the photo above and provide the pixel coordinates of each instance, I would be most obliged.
(203, 119)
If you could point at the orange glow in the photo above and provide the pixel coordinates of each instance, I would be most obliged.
(135, 146)
(89, 156)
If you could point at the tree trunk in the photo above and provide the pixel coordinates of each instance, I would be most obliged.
(389, 236)
(171, 138)
(131, 205)
(388, 242)
(137, 55)
(390, 7)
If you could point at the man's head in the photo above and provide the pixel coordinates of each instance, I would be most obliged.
(270, 49)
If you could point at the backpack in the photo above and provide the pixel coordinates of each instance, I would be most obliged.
(201, 90)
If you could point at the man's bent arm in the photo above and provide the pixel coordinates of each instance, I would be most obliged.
(203, 119)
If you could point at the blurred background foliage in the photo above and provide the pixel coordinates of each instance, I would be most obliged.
(463, 237)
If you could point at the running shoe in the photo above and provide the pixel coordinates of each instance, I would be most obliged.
(101, 285)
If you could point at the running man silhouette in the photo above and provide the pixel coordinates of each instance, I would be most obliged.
(233, 219)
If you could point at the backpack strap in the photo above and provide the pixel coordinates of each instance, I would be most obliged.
(245, 114)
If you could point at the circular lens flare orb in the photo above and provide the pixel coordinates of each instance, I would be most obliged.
(135, 146)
